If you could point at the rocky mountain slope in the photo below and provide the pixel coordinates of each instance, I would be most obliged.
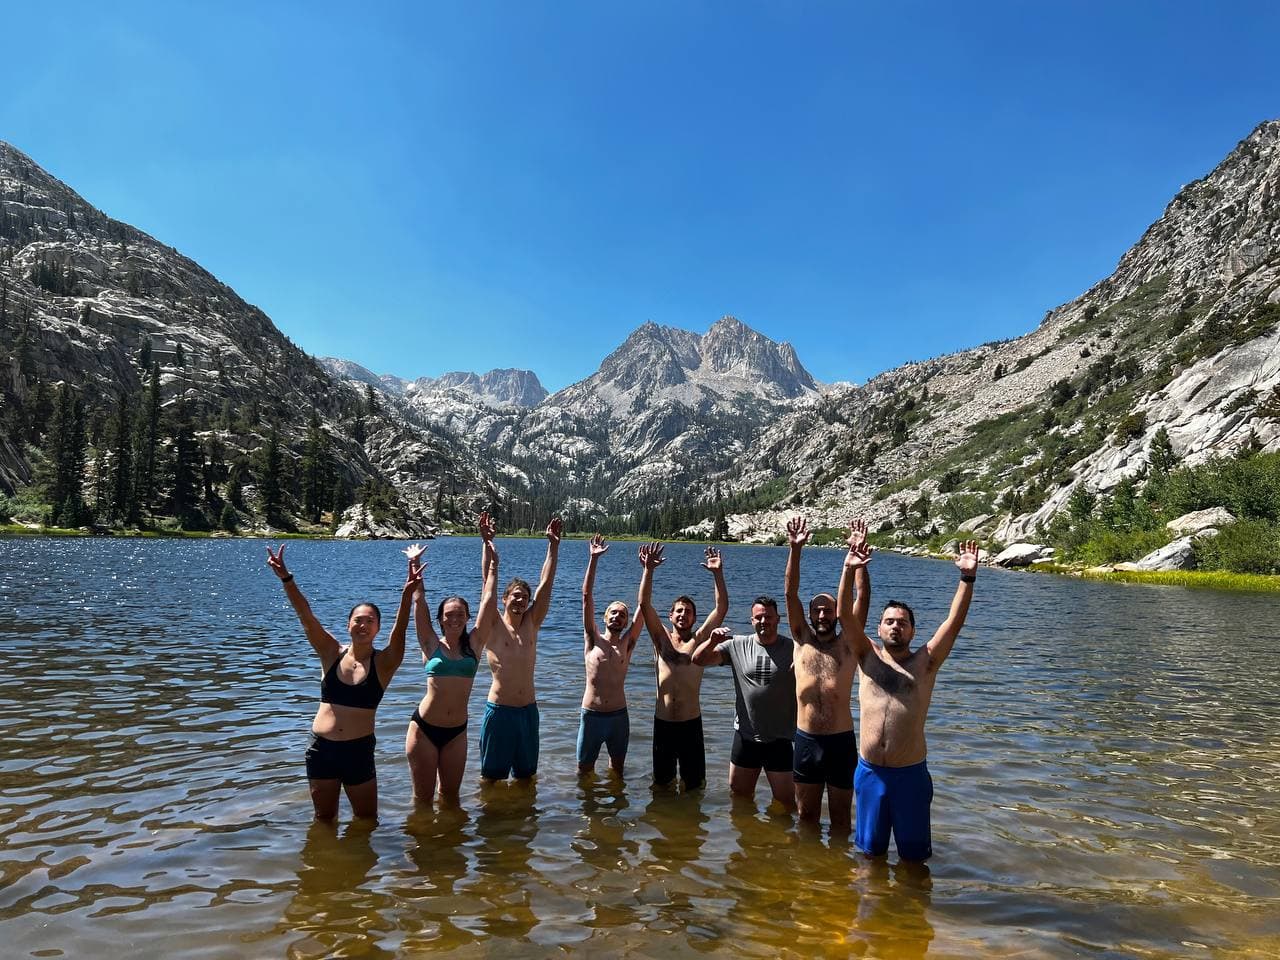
(1183, 335)
(85, 298)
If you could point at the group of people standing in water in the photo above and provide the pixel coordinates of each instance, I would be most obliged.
(793, 719)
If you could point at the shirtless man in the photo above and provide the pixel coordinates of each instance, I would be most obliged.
(509, 730)
(605, 720)
(677, 719)
(764, 719)
(893, 785)
(826, 749)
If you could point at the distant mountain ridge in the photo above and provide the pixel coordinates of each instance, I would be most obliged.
(1182, 338)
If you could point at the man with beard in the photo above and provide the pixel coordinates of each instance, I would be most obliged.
(677, 719)
(892, 781)
(826, 749)
(509, 728)
(605, 721)
(764, 718)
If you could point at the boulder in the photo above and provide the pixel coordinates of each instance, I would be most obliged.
(974, 524)
(1178, 555)
(1199, 521)
(1021, 554)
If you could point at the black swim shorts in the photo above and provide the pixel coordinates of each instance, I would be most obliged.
(828, 758)
(350, 761)
(775, 756)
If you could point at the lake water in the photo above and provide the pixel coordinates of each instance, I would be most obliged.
(1106, 763)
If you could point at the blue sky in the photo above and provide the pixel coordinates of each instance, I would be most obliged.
(424, 187)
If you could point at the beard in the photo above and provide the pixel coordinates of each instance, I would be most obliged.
(824, 630)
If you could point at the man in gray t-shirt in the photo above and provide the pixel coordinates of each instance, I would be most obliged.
(764, 720)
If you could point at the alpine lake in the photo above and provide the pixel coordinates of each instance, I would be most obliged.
(1106, 761)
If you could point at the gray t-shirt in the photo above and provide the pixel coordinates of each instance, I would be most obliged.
(765, 683)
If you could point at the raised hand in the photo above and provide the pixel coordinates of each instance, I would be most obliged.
(554, 529)
(967, 558)
(797, 531)
(488, 528)
(414, 552)
(413, 581)
(720, 635)
(713, 561)
(276, 562)
(597, 546)
(857, 533)
(651, 555)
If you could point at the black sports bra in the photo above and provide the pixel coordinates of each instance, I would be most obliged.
(366, 694)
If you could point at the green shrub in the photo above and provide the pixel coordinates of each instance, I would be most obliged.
(1249, 546)
(1114, 546)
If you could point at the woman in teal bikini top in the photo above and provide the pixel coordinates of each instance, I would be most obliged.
(435, 744)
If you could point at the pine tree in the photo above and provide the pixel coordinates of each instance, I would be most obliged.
(186, 467)
(270, 479)
(65, 452)
(122, 462)
(315, 469)
(1160, 453)
(146, 443)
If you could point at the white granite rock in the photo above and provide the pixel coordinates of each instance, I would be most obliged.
(1200, 520)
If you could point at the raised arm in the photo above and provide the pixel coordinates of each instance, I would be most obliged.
(707, 653)
(651, 557)
(644, 598)
(393, 655)
(487, 615)
(797, 537)
(715, 563)
(852, 613)
(940, 646)
(321, 640)
(597, 548)
(422, 627)
(542, 596)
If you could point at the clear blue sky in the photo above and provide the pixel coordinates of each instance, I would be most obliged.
(422, 187)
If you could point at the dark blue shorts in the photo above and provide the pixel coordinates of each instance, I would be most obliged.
(894, 799)
(608, 728)
(509, 741)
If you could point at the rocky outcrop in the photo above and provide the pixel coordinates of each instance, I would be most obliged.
(1200, 520)
(1023, 555)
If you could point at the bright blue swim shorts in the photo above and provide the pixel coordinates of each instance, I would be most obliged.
(893, 799)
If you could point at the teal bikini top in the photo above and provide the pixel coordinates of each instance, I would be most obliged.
(441, 666)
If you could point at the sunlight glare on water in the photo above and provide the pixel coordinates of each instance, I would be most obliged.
(1105, 760)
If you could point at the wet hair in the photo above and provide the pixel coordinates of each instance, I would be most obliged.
(365, 603)
(684, 598)
(769, 602)
(465, 639)
(911, 614)
(517, 582)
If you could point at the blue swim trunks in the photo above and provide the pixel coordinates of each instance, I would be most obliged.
(508, 741)
(611, 728)
(893, 799)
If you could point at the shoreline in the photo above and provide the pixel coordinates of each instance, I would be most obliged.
(1187, 579)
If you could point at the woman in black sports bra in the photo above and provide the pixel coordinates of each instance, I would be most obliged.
(340, 755)
(436, 742)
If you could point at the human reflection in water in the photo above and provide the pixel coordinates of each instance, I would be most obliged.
(438, 845)
(893, 911)
(331, 912)
(607, 845)
(762, 875)
(505, 828)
